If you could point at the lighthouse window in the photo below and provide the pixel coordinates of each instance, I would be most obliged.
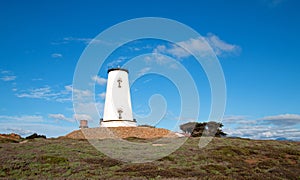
(120, 111)
(119, 82)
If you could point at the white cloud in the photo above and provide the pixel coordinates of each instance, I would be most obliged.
(85, 105)
(117, 62)
(283, 119)
(269, 127)
(8, 78)
(75, 117)
(19, 131)
(264, 132)
(199, 46)
(64, 95)
(50, 130)
(102, 95)
(69, 88)
(159, 58)
(89, 110)
(5, 72)
(56, 55)
(22, 118)
(80, 95)
(39, 93)
(237, 119)
(46, 93)
(29, 124)
(221, 47)
(194, 45)
(37, 79)
(68, 40)
(60, 117)
(99, 80)
(84, 40)
(79, 117)
(143, 71)
(7, 75)
(173, 66)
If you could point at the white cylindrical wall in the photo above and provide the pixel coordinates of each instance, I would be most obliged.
(117, 106)
(118, 124)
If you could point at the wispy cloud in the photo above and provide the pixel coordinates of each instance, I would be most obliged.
(282, 119)
(68, 40)
(36, 79)
(118, 62)
(79, 117)
(8, 78)
(5, 72)
(221, 47)
(60, 117)
(20, 131)
(90, 111)
(269, 127)
(200, 46)
(56, 55)
(264, 132)
(238, 119)
(143, 71)
(58, 95)
(102, 95)
(39, 93)
(99, 80)
(80, 94)
(159, 59)
(46, 93)
(194, 45)
(7, 75)
(75, 117)
(83, 40)
(51, 129)
(22, 118)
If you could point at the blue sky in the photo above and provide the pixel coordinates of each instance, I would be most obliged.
(256, 42)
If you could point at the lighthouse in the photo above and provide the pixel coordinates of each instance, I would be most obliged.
(117, 107)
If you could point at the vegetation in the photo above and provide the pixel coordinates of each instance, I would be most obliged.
(35, 135)
(146, 125)
(196, 129)
(223, 158)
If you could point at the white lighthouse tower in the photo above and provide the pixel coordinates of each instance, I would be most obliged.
(117, 108)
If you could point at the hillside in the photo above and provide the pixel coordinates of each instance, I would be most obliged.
(10, 137)
(223, 158)
(120, 132)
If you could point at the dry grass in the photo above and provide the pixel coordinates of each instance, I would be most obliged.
(223, 158)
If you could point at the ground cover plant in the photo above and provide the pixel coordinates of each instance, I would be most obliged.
(223, 158)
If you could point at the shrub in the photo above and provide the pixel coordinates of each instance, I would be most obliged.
(35, 135)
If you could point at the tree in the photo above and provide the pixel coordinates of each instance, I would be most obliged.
(199, 129)
(214, 129)
(188, 127)
(196, 129)
(35, 135)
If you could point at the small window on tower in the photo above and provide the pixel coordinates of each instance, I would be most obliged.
(120, 111)
(119, 82)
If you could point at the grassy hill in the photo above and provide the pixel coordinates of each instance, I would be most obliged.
(223, 158)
